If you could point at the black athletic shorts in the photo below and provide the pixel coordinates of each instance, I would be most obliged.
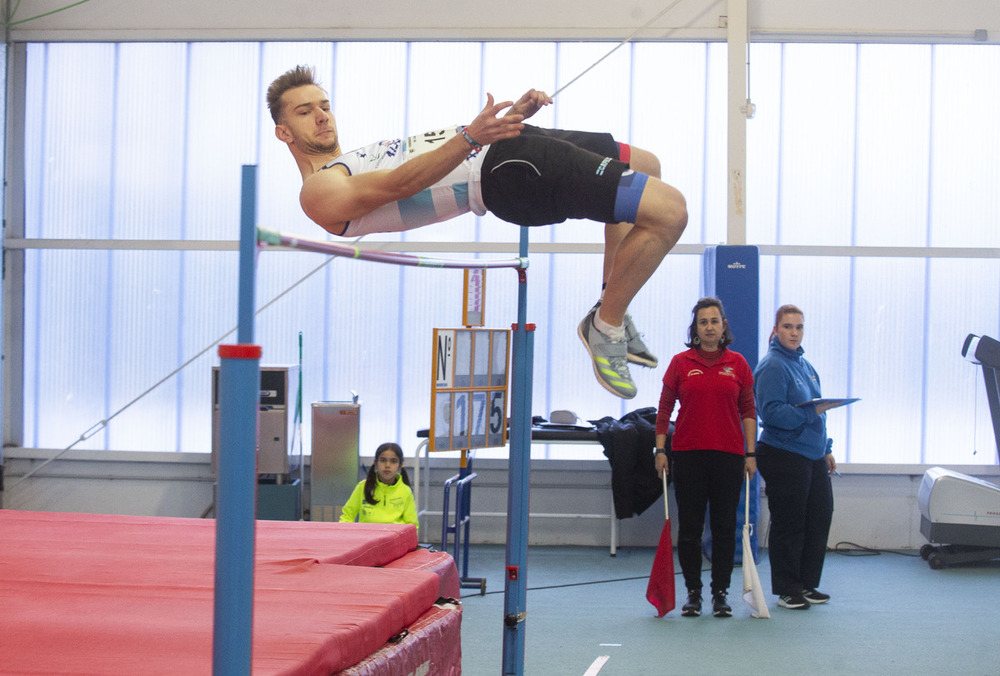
(545, 176)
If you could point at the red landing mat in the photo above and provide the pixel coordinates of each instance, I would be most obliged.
(356, 544)
(93, 594)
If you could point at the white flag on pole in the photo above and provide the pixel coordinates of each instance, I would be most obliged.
(753, 595)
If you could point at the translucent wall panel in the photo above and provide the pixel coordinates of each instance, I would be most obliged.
(670, 118)
(69, 191)
(764, 145)
(865, 145)
(68, 329)
(713, 230)
(817, 144)
(893, 145)
(208, 291)
(961, 299)
(224, 106)
(150, 117)
(371, 108)
(965, 202)
(886, 361)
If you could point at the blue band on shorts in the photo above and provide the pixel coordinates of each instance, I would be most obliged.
(630, 189)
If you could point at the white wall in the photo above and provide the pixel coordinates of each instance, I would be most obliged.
(132, 20)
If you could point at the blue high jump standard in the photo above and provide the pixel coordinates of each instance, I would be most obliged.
(239, 396)
(515, 578)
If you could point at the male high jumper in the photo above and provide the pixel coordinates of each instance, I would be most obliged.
(523, 174)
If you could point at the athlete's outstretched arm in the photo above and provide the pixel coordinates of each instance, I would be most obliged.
(331, 198)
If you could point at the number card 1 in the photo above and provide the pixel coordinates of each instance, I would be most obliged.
(469, 391)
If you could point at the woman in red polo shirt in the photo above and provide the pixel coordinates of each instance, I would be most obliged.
(712, 448)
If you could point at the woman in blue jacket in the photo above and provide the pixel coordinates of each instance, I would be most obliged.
(794, 457)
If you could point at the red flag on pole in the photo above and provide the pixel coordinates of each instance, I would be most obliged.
(660, 591)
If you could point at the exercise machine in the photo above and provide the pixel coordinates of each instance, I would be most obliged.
(959, 510)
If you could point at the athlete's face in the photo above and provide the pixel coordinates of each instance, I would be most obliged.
(387, 467)
(789, 330)
(306, 121)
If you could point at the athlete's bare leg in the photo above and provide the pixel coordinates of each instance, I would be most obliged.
(632, 253)
(659, 223)
(614, 233)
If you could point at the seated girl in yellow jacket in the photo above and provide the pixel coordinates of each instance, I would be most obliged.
(382, 497)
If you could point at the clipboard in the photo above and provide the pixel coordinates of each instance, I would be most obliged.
(827, 400)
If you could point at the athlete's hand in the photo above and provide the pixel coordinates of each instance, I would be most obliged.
(489, 126)
(530, 103)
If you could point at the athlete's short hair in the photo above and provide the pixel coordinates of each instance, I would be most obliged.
(299, 76)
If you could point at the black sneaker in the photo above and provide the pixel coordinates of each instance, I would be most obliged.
(793, 602)
(815, 596)
(693, 606)
(719, 606)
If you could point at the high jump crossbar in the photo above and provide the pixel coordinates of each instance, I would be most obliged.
(267, 237)
(239, 400)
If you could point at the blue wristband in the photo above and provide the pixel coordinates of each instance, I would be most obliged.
(471, 141)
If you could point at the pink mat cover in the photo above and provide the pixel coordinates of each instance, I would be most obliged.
(433, 646)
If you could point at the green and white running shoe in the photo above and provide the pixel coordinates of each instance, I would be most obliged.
(638, 353)
(610, 358)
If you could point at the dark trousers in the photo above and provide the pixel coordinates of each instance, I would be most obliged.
(703, 479)
(800, 499)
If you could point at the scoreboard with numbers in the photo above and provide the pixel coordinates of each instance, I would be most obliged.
(469, 395)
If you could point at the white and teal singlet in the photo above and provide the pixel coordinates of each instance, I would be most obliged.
(456, 194)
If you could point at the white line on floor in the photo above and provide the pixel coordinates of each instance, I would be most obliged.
(595, 668)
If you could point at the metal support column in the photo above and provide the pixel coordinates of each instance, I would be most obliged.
(740, 109)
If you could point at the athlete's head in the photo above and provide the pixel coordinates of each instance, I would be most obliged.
(302, 116)
(300, 76)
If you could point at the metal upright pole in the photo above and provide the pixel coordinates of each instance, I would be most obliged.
(515, 581)
(239, 399)
(740, 109)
